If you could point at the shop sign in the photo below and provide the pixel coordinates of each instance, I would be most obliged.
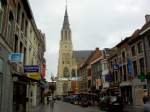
(34, 75)
(16, 57)
(115, 66)
(31, 68)
(108, 77)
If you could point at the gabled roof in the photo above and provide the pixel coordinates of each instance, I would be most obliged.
(93, 56)
(81, 55)
(123, 41)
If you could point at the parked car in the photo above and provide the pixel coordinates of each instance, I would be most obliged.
(66, 99)
(75, 99)
(84, 101)
(117, 106)
(58, 97)
(106, 102)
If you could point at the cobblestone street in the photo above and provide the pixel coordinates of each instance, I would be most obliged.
(66, 107)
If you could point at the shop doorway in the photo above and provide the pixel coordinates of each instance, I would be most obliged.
(19, 97)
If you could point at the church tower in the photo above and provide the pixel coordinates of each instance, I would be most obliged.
(65, 58)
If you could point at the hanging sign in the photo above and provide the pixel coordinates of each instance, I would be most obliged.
(16, 57)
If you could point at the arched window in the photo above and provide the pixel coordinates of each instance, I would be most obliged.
(66, 35)
(66, 72)
(18, 13)
(10, 28)
(73, 73)
(16, 44)
(65, 88)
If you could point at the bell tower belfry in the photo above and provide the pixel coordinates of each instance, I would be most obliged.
(65, 57)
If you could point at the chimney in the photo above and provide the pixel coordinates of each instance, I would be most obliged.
(97, 49)
(147, 18)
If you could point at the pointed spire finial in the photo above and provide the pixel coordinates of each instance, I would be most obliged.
(66, 4)
(66, 14)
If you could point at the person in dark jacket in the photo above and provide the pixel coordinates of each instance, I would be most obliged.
(146, 105)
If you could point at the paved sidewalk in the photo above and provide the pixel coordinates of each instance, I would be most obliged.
(132, 108)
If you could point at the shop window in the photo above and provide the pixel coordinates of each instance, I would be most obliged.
(1, 15)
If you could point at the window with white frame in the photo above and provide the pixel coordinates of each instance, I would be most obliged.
(1, 15)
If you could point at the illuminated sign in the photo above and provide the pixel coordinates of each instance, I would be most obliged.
(16, 57)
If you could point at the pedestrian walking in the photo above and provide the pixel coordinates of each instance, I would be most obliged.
(51, 101)
(146, 105)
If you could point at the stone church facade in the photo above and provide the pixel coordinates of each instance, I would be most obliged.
(69, 60)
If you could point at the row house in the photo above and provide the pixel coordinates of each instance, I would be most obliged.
(124, 78)
(79, 57)
(19, 91)
(128, 66)
(145, 36)
(105, 76)
(138, 64)
(113, 78)
(86, 70)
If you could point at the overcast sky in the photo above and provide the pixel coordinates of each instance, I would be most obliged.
(94, 23)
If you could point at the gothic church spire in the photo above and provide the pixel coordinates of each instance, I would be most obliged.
(66, 19)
